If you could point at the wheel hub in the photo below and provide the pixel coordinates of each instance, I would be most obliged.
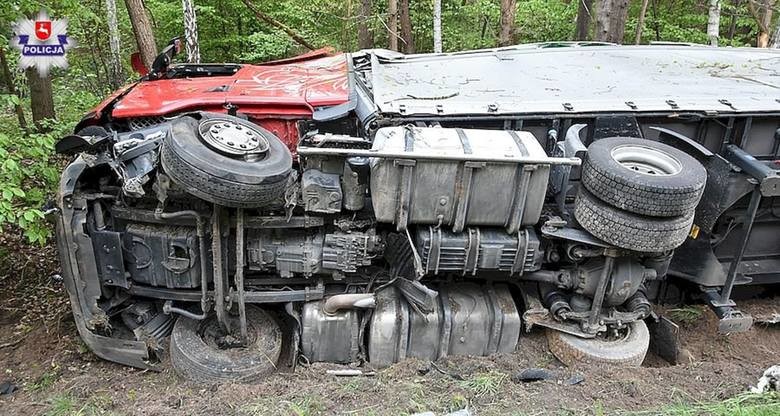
(646, 160)
(231, 138)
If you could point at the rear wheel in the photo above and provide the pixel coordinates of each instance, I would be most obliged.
(626, 350)
(643, 176)
(202, 352)
(628, 230)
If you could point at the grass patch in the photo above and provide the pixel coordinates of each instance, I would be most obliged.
(457, 402)
(307, 406)
(485, 383)
(66, 405)
(352, 386)
(44, 381)
(686, 315)
(304, 406)
(747, 404)
(62, 406)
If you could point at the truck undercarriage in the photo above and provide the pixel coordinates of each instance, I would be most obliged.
(416, 223)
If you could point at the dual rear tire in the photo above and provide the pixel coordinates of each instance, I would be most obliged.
(638, 194)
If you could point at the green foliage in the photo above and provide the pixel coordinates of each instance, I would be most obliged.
(484, 384)
(28, 168)
(544, 21)
(746, 404)
(264, 46)
(686, 315)
(24, 162)
(67, 405)
(45, 381)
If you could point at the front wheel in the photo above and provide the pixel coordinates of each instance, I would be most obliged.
(626, 350)
(202, 352)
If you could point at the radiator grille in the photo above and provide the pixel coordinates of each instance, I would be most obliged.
(138, 123)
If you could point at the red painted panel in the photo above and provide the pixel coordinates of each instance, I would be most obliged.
(286, 130)
(275, 95)
(291, 89)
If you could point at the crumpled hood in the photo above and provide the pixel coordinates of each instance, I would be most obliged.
(293, 89)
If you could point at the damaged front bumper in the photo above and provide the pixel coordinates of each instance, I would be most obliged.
(82, 280)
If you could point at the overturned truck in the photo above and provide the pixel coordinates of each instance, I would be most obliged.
(376, 206)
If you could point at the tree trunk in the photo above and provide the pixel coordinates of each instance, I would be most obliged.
(142, 28)
(766, 24)
(437, 26)
(583, 20)
(392, 25)
(656, 27)
(41, 99)
(611, 20)
(640, 25)
(346, 35)
(776, 38)
(9, 85)
(763, 16)
(733, 23)
(191, 31)
(115, 76)
(713, 22)
(506, 34)
(406, 26)
(365, 36)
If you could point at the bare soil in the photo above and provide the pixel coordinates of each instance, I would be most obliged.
(41, 353)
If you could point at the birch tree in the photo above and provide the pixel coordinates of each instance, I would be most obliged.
(713, 22)
(115, 75)
(191, 32)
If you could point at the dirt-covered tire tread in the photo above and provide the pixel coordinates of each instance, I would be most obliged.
(629, 352)
(628, 230)
(662, 196)
(195, 360)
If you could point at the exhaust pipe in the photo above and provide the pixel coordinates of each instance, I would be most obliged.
(336, 303)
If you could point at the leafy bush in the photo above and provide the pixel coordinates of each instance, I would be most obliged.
(29, 169)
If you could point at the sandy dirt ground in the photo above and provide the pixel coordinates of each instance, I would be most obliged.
(42, 355)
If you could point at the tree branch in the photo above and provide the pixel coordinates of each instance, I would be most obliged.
(275, 23)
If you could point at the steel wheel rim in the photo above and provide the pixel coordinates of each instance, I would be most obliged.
(646, 160)
(231, 138)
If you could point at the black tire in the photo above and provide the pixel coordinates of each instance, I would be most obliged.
(661, 194)
(196, 356)
(628, 230)
(97, 131)
(628, 351)
(222, 179)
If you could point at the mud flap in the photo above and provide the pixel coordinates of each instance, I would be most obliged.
(664, 338)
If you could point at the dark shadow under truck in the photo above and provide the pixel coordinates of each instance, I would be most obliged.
(377, 206)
